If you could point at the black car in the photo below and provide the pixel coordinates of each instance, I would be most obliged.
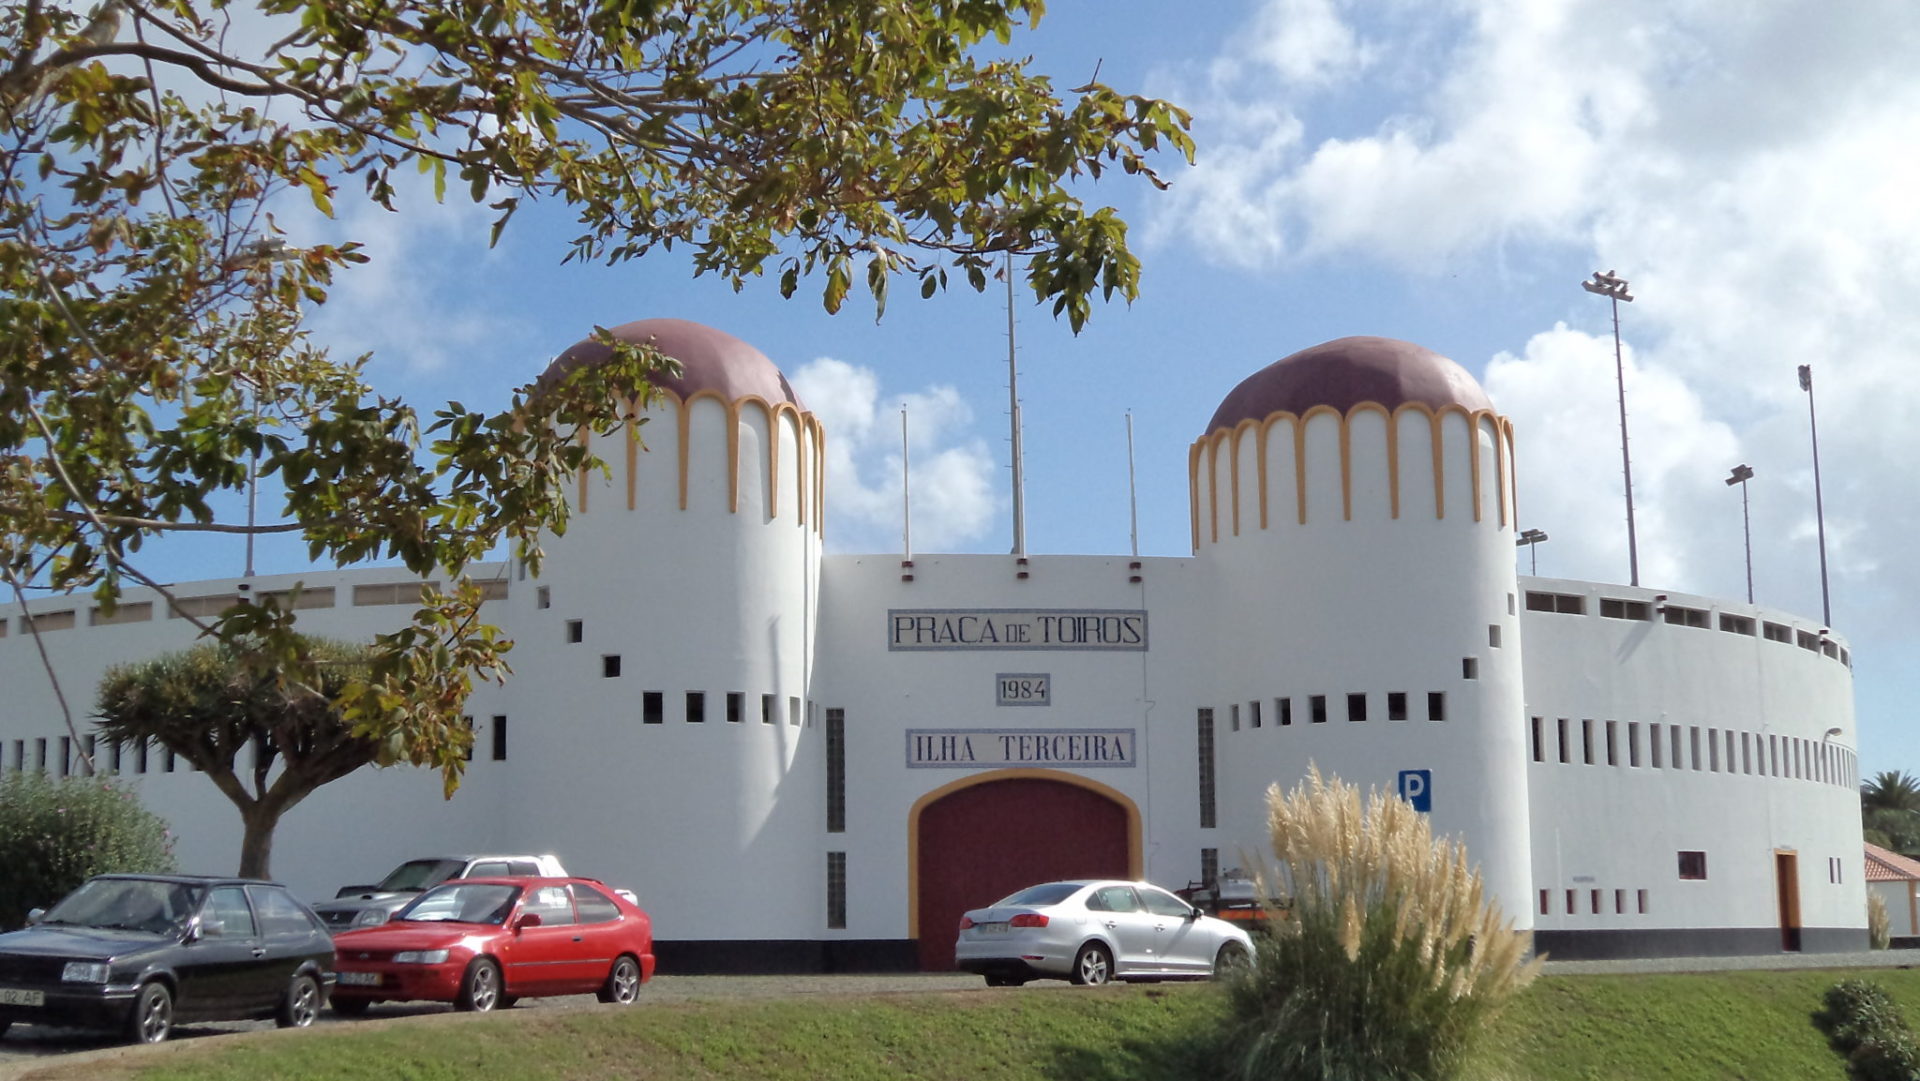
(136, 952)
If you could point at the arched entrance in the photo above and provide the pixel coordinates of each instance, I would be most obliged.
(980, 839)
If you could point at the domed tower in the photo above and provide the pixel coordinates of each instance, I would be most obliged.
(664, 655)
(1354, 504)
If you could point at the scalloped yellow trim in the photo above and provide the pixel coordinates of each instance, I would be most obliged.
(1210, 444)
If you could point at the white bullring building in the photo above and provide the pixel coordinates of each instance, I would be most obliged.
(806, 761)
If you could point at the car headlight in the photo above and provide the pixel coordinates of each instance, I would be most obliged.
(84, 972)
(371, 917)
(419, 957)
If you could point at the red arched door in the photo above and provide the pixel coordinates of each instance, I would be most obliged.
(983, 842)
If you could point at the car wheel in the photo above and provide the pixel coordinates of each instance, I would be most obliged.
(1005, 981)
(1231, 959)
(623, 983)
(480, 987)
(1092, 966)
(301, 1005)
(152, 1016)
(350, 1007)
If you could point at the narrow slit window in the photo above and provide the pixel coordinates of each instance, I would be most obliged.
(1253, 713)
(1436, 705)
(736, 706)
(1566, 752)
(767, 710)
(1539, 752)
(793, 711)
(1633, 744)
(1654, 744)
(1586, 742)
(1283, 708)
(836, 771)
(1613, 743)
(499, 738)
(1233, 712)
(836, 891)
(1204, 724)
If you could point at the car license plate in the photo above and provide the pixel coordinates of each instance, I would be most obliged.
(359, 979)
(993, 928)
(10, 996)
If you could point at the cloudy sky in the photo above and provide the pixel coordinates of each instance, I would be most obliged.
(1444, 172)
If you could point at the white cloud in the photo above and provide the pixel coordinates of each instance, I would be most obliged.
(1750, 168)
(951, 472)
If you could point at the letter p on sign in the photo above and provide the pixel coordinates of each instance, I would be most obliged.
(1416, 787)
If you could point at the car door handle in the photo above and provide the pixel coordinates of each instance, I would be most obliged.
(1111, 924)
(259, 951)
(578, 938)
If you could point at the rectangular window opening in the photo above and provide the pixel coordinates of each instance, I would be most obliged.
(793, 711)
(1654, 744)
(1539, 751)
(736, 706)
(1253, 713)
(1283, 709)
(1693, 866)
(1356, 707)
(499, 738)
(836, 891)
(1317, 705)
(1436, 705)
(836, 771)
(1493, 635)
(1469, 668)
(1233, 712)
(576, 631)
(653, 707)
(1586, 742)
(1641, 898)
(696, 707)
(1613, 743)
(1566, 747)
(1633, 744)
(1396, 705)
(610, 666)
(767, 710)
(1204, 738)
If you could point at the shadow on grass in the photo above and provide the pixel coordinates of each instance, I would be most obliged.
(1187, 1056)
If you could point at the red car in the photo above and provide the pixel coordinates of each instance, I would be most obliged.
(485, 942)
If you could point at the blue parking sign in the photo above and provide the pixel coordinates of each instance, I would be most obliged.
(1416, 787)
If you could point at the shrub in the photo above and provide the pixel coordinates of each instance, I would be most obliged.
(1392, 960)
(1879, 923)
(57, 833)
(1858, 1011)
(1892, 1057)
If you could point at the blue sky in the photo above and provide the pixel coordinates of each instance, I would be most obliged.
(1443, 172)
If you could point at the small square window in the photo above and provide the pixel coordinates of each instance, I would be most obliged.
(1693, 866)
(576, 631)
(1356, 707)
(1317, 704)
(610, 666)
(1396, 705)
(652, 707)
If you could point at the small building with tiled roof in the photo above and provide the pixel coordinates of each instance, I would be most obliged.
(1896, 879)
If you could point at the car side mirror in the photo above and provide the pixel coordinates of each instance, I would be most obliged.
(35, 915)
(526, 920)
(1192, 914)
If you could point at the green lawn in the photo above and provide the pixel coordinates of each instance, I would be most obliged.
(1752, 1026)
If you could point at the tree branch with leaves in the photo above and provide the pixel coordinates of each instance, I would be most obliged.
(157, 313)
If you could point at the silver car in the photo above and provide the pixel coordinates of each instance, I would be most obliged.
(1094, 931)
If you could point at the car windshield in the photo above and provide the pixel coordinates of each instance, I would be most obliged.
(462, 902)
(418, 875)
(127, 904)
(1050, 894)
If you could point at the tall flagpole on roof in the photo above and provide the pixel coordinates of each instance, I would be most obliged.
(1013, 399)
(1133, 498)
(906, 496)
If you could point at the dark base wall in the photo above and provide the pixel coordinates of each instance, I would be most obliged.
(1704, 942)
(784, 956)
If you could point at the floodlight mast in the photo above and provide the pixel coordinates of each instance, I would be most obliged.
(1614, 288)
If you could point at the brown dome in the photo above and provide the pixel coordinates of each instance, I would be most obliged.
(1347, 371)
(709, 360)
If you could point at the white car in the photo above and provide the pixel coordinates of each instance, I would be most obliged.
(1093, 931)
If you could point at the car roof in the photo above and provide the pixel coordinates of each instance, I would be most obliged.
(195, 880)
(515, 880)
